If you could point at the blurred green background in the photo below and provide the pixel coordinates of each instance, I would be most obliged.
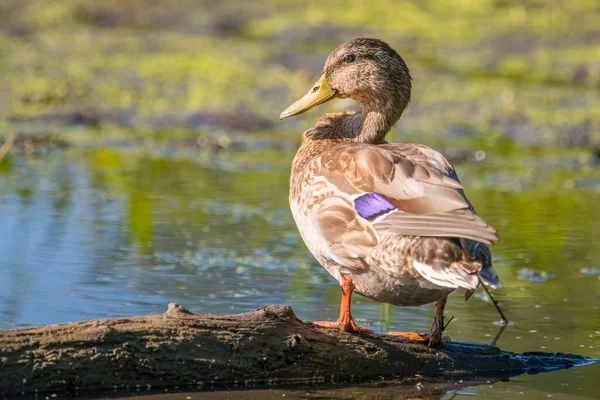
(146, 162)
(525, 70)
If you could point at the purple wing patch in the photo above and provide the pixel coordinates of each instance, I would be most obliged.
(372, 205)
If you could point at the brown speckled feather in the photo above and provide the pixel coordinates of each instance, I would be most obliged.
(414, 178)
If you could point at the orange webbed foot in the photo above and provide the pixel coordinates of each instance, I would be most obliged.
(408, 335)
(431, 339)
(345, 322)
(346, 327)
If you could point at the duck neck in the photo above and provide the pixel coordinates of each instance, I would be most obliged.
(371, 123)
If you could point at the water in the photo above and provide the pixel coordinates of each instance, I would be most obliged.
(102, 233)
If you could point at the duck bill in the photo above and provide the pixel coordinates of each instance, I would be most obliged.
(319, 94)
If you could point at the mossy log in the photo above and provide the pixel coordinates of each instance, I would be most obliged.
(267, 346)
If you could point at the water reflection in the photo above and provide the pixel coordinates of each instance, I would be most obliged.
(101, 233)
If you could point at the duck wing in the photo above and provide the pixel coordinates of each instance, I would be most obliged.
(404, 189)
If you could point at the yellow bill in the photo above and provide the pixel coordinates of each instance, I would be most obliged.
(319, 94)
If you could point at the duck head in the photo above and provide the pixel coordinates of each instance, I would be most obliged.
(366, 70)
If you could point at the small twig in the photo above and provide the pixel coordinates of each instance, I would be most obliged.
(8, 142)
(504, 319)
(447, 323)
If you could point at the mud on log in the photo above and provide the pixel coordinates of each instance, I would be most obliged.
(266, 346)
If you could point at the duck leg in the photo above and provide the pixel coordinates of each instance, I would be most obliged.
(434, 337)
(345, 322)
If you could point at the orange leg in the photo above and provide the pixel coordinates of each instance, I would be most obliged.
(434, 337)
(345, 322)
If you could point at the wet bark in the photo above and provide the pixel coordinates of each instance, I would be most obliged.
(266, 346)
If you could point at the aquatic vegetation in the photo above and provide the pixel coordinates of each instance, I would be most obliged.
(526, 71)
(534, 276)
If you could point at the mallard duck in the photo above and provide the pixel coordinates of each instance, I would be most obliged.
(390, 222)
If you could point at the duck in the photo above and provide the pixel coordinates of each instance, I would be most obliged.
(389, 221)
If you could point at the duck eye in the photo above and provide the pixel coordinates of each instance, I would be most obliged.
(349, 58)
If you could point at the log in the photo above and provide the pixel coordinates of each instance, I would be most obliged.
(267, 346)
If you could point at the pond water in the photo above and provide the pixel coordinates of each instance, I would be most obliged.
(96, 233)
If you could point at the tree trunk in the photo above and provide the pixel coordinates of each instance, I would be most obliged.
(266, 346)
